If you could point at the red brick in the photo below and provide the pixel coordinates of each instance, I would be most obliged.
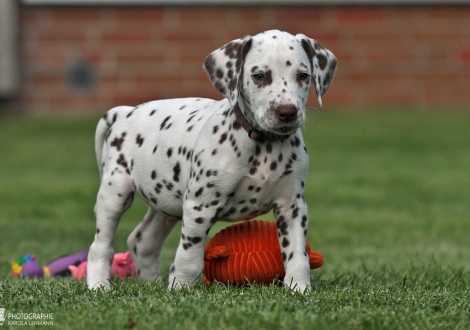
(43, 56)
(47, 80)
(361, 15)
(384, 53)
(332, 97)
(58, 36)
(122, 51)
(139, 13)
(449, 38)
(79, 13)
(125, 58)
(126, 37)
(450, 13)
(215, 14)
(388, 93)
(134, 97)
(150, 82)
(192, 50)
(311, 14)
(192, 30)
(433, 77)
(250, 13)
(407, 13)
(465, 56)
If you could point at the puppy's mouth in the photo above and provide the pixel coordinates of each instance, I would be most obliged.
(273, 125)
(283, 129)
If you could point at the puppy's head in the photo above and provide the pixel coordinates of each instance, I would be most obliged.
(273, 72)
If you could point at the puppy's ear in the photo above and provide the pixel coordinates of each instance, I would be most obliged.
(323, 64)
(224, 67)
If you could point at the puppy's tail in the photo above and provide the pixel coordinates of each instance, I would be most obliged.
(103, 129)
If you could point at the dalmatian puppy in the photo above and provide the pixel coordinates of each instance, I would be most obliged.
(201, 161)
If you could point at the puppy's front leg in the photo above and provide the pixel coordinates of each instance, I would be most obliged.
(189, 259)
(292, 222)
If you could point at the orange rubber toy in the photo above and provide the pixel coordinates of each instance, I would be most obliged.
(248, 252)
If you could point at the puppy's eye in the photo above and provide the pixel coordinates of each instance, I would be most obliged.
(302, 76)
(259, 76)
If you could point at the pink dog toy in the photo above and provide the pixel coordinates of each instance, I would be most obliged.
(123, 266)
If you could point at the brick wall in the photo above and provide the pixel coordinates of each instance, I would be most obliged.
(387, 54)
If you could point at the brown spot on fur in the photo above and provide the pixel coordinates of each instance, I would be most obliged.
(117, 142)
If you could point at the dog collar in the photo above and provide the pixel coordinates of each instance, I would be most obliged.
(254, 133)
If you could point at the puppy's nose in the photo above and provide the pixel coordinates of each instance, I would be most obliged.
(286, 112)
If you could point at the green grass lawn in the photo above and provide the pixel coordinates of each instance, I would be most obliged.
(389, 207)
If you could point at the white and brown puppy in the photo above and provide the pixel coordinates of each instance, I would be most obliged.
(201, 161)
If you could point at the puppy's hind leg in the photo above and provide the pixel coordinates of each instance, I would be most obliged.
(115, 196)
(146, 242)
